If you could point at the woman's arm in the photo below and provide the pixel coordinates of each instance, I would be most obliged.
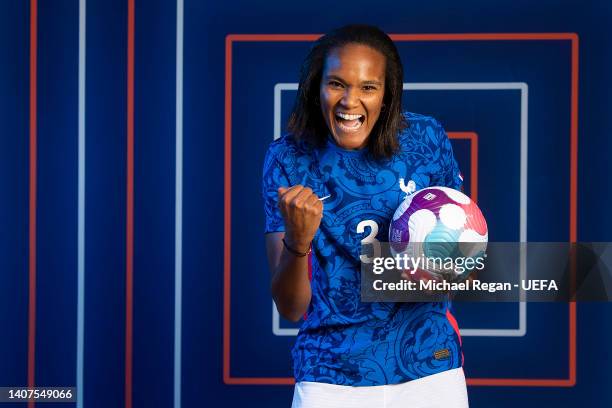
(290, 285)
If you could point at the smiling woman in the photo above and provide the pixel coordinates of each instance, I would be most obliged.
(349, 142)
(355, 70)
(352, 92)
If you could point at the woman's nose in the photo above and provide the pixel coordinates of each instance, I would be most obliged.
(350, 99)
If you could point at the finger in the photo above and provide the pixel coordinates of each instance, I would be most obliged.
(302, 197)
(312, 201)
(284, 190)
(312, 204)
(291, 193)
(318, 206)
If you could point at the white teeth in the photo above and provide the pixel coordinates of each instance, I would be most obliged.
(346, 116)
(350, 129)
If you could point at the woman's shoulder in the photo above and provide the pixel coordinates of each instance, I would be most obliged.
(286, 147)
(420, 126)
(419, 122)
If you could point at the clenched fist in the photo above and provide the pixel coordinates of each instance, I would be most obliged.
(302, 211)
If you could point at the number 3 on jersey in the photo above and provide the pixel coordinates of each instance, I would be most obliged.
(369, 239)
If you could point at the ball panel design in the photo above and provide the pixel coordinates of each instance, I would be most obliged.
(438, 222)
(452, 216)
(455, 195)
(474, 218)
(420, 224)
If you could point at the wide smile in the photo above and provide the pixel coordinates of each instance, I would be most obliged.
(349, 122)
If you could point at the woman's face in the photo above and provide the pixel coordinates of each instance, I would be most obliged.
(351, 93)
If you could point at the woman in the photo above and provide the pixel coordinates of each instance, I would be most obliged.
(334, 181)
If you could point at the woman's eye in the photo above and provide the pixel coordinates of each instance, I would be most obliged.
(335, 84)
(369, 88)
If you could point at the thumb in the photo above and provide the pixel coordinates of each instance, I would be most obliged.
(282, 190)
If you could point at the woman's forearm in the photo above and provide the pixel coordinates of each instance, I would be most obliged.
(290, 286)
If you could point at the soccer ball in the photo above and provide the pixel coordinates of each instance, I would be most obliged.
(439, 223)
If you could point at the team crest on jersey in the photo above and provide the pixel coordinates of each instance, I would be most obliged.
(407, 188)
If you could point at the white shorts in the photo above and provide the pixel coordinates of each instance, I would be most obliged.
(443, 390)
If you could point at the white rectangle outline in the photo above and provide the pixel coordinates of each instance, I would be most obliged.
(449, 86)
(178, 220)
(80, 340)
(178, 209)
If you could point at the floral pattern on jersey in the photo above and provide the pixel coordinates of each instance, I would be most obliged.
(345, 341)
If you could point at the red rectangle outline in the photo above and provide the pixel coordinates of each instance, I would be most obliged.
(129, 224)
(231, 38)
(473, 138)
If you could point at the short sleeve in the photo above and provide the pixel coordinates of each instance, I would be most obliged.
(449, 175)
(273, 177)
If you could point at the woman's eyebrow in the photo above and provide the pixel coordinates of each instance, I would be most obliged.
(334, 77)
(372, 82)
(339, 79)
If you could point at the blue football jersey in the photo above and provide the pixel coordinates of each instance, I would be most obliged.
(343, 340)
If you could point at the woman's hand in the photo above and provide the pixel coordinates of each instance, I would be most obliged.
(302, 211)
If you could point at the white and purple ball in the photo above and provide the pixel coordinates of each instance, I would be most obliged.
(438, 222)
